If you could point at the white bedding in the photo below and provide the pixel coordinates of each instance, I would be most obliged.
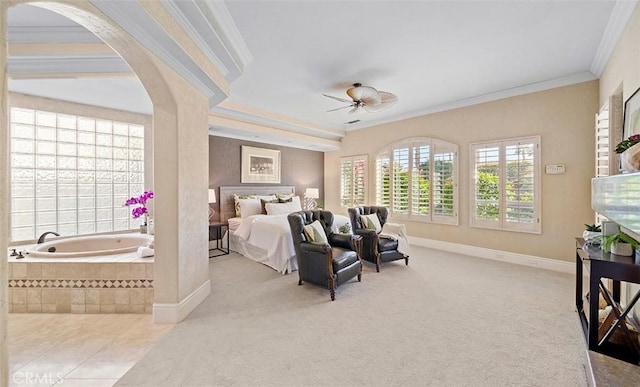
(266, 239)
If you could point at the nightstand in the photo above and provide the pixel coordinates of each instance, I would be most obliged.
(217, 231)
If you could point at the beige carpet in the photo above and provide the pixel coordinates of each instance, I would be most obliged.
(444, 320)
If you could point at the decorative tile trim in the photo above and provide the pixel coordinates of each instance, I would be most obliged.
(82, 284)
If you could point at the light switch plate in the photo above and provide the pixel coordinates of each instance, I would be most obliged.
(554, 169)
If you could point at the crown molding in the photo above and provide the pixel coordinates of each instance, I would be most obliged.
(232, 127)
(134, 19)
(34, 65)
(264, 118)
(516, 91)
(52, 34)
(620, 15)
(211, 27)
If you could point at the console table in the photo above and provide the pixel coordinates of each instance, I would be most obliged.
(597, 264)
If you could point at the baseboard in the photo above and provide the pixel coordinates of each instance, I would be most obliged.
(174, 313)
(496, 255)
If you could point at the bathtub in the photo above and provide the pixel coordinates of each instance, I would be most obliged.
(89, 246)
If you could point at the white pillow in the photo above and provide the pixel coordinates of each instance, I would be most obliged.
(315, 233)
(371, 222)
(282, 208)
(338, 222)
(267, 198)
(236, 204)
(249, 207)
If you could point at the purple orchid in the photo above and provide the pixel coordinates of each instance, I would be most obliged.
(141, 202)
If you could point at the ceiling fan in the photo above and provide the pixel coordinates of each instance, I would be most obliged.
(365, 98)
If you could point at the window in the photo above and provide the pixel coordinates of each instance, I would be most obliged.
(72, 174)
(603, 146)
(417, 179)
(353, 181)
(506, 185)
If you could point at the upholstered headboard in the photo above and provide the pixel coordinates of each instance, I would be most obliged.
(227, 204)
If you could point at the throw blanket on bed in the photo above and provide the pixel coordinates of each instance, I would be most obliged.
(272, 234)
(399, 233)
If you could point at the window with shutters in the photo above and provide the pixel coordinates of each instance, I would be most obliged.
(603, 146)
(72, 174)
(383, 177)
(417, 179)
(506, 184)
(353, 181)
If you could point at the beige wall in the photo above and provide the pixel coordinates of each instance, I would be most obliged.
(622, 73)
(4, 200)
(563, 117)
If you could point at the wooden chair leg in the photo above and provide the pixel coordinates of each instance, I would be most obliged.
(332, 290)
(359, 277)
(406, 261)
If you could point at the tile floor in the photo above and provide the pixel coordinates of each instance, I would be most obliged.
(77, 349)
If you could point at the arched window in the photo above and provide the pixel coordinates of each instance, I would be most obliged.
(417, 179)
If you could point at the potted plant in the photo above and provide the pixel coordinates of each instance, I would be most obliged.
(345, 229)
(591, 232)
(619, 244)
(629, 152)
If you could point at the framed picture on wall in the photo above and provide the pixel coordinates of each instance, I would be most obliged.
(631, 116)
(260, 165)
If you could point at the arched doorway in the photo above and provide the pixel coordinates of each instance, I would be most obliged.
(180, 164)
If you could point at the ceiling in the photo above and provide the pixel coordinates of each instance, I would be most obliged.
(434, 55)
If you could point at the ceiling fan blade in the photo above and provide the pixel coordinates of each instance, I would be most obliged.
(338, 99)
(371, 100)
(359, 93)
(387, 100)
(340, 108)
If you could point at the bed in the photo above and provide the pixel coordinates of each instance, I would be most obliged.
(259, 237)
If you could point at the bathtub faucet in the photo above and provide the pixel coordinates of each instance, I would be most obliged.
(41, 239)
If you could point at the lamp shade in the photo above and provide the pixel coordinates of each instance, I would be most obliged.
(312, 193)
(212, 196)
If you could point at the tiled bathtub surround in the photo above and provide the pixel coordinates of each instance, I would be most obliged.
(80, 287)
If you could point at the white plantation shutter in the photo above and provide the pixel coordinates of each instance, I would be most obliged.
(383, 175)
(359, 181)
(400, 179)
(608, 132)
(506, 184)
(444, 192)
(486, 184)
(353, 181)
(603, 148)
(420, 171)
(519, 186)
(417, 180)
(346, 181)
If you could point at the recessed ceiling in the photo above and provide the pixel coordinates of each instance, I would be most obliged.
(428, 53)
(433, 55)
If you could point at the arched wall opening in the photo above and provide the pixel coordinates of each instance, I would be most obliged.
(180, 164)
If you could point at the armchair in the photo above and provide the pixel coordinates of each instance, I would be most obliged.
(326, 264)
(374, 248)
